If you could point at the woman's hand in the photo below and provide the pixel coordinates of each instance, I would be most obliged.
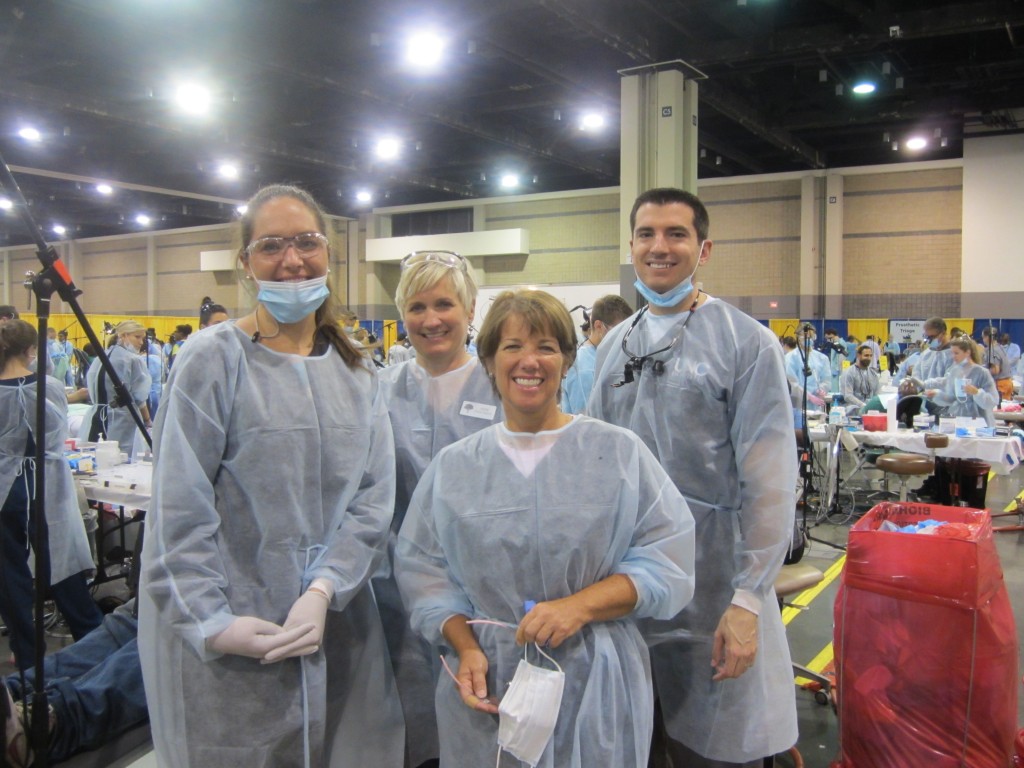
(472, 677)
(970, 389)
(553, 622)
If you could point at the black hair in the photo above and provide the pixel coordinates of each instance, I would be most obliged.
(207, 309)
(669, 195)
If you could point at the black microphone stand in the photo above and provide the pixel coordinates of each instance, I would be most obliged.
(54, 278)
(807, 459)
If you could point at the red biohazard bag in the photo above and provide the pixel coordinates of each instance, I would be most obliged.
(925, 644)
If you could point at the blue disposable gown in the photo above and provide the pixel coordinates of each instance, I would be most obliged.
(580, 380)
(69, 544)
(820, 378)
(261, 459)
(481, 537)
(958, 402)
(118, 423)
(719, 419)
(427, 413)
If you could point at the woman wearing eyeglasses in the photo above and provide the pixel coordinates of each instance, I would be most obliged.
(564, 530)
(273, 492)
(440, 396)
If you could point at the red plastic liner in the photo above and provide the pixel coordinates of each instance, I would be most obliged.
(925, 645)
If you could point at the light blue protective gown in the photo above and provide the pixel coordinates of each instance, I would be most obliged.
(820, 379)
(958, 402)
(69, 544)
(482, 536)
(719, 420)
(118, 423)
(580, 380)
(427, 413)
(933, 366)
(261, 459)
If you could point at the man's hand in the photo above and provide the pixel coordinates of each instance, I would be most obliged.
(735, 645)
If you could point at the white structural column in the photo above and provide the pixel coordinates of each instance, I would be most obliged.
(151, 266)
(833, 262)
(659, 140)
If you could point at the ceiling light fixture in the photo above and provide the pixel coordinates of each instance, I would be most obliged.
(364, 196)
(509, 180)
(5, 204)
(592, 121)
(59, 229)
(193, 99)
(104, 189)
(388, 148)
(241, 209)
(424, 49)
(863, 88)
(227, 171)
(143, 220)
(916, 142)
(28, 133)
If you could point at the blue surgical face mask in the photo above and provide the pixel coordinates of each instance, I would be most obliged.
(674, 296)
(290, 302)
(935, 343)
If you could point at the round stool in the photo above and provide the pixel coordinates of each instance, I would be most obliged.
(906, 465)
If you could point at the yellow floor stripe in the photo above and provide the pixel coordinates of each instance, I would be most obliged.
(1012, 506)
(805, 597)
(818, 663)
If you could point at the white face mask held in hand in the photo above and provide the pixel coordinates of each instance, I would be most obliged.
(529, 710)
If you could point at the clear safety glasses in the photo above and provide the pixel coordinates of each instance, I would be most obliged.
(448, 258)
(306, 244)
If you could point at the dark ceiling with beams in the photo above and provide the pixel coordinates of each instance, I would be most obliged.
(302, 89)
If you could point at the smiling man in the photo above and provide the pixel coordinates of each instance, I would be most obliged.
(703, 385)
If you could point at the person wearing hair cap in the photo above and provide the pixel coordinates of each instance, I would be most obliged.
(109, 417)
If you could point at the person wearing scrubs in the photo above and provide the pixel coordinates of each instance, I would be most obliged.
(273, 490)
(607, 312)
(70, 557)
(495, 533)
(968, 389)
(434, 399)
(107, 417)
(704, 386)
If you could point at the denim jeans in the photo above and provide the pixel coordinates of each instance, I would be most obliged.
(94, 686)
(16, 607)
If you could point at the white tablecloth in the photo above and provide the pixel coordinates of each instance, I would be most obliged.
(127, 485)
(1004, 453)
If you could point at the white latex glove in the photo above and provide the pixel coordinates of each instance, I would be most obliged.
(255, 638)
(309, 610)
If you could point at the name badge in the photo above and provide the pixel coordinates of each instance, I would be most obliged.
(478, 410)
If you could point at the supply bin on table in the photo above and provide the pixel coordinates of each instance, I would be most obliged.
(925, 644)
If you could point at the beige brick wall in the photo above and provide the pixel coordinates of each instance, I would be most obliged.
(755, 228)
(572, 240)
(902, 232)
